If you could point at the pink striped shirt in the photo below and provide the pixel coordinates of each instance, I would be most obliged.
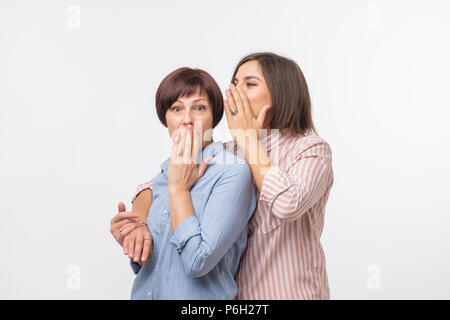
(284, 258)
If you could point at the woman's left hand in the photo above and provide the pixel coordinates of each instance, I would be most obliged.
(239, 114)
(183, 169)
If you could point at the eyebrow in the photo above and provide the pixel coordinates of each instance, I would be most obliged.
(247, 78)
(196, 100)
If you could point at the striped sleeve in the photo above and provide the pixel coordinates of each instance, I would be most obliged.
(290, 194)
(142, 187)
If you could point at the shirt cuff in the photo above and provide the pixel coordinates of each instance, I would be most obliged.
(135, 266)
(275, 182)
(188, 228)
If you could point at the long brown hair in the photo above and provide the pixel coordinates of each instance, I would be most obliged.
(291, 103)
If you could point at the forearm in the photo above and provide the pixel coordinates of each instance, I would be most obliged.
(142, 204)
(292, 192)
(180, 207)
(202, 242)
(259, 164)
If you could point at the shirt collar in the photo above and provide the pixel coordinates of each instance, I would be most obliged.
(209, 151)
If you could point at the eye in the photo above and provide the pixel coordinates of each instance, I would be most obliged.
(250, 84)
(175, 108)
(200, 108)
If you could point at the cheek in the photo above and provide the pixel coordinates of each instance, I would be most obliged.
(207, 122)
(207, 131)
(173, 123)
(256, 101)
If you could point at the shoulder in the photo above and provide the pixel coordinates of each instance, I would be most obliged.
(226, 166)
(309, 144)
(230, 164)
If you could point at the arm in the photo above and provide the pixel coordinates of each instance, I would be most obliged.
(180, 206)
(142, 200)
(290, 194)
(182, 174)
(142, 204)
(259, 166)
(134, 243)
(202, 243)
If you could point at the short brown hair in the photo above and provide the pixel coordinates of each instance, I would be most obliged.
(291, 103)
(184, 82)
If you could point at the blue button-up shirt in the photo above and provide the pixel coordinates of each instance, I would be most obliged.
(199, 260)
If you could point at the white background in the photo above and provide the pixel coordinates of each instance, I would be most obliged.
(79, 131)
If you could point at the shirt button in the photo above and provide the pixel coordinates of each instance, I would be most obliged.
(165, 211)
(149, 294)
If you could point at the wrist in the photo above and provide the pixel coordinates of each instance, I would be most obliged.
(177, 190)
(252, 149)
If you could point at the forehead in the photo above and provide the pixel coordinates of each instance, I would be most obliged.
(196, 96)
(250, 68)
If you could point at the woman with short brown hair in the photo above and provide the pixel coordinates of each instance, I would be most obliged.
(194, 225)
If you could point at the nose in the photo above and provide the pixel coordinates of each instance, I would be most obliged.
(188, 120)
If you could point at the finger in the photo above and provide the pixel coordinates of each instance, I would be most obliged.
(124, 215)
(125, 246)
(231, 102)
(202, 167)
(130, 225)
(187, 152)
(245, 102)
(181, 144)
(230, 118)
(196, 144)
(116, 227)
(138, 247)
(131, 243)
(174, 149)
(127, 230)
(121, 207)
(237, 98)
(177, 138)
(227, 109)
(147, 248)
